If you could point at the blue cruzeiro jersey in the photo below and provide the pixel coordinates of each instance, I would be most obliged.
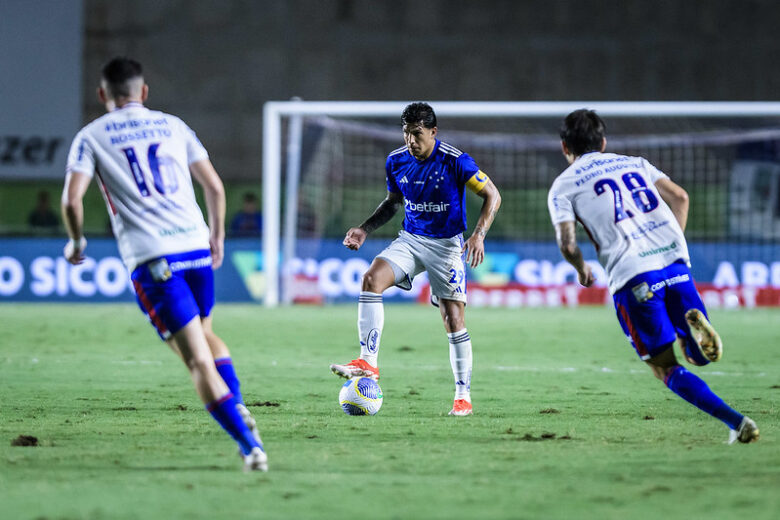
(434, 198)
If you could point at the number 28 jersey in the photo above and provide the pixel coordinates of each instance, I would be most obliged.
(141, 158)
(615, 199)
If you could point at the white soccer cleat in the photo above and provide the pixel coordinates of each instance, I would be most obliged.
(250, 422)
(707, 339)
(356, 368)
(257, 460)
(747, 432)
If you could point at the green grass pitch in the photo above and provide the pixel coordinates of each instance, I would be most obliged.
(568, 422)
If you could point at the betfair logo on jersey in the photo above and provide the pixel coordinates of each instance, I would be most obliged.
(426, 207)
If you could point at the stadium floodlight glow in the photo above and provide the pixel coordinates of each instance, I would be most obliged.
(275, 111)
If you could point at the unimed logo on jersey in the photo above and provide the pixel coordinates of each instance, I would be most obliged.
(659, 250)
(426, 207)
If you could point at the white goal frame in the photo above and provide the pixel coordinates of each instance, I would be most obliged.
(275, 111)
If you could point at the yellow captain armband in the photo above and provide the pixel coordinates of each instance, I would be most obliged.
(477, 181)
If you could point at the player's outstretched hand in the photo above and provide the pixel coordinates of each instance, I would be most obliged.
(475, 250)
(355, 238)
(586, 277)
(74, 250)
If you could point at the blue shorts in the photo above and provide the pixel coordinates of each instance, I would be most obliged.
(173, 289)
(651, 309)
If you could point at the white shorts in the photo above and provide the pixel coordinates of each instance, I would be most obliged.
(442, 258)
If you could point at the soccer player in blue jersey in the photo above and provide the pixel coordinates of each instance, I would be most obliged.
(428, 177)
(145, 161)
(635, 215)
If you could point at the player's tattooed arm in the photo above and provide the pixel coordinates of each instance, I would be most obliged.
(475, 245)
(565, 235)
(490, 205)
(381, 215)
(384, 212)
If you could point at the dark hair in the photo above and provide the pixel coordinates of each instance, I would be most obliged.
(117, 73)
(415, 113)
(583, 131)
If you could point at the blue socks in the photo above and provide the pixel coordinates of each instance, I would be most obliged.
(694, 390)
(224, 412)
(228, 373)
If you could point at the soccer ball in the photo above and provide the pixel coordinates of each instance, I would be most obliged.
(360, 396)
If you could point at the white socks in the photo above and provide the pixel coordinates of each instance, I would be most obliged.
(460, 361)
(371, 320)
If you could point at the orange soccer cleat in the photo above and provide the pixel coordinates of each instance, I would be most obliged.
(356, 368)
(461, 407)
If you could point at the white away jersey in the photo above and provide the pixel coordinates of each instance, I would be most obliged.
(142, 158)
(615, 198)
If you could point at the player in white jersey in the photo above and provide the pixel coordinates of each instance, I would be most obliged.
(145, 161)
(635, 215)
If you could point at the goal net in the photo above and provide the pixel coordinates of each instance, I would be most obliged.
(324, 173)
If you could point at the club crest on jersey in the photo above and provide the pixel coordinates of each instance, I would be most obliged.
(372, 341)
(642, 292)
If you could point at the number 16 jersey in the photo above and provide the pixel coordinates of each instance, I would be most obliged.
(615, 199)
(141, 158)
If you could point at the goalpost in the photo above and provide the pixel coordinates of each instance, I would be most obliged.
(381, 121)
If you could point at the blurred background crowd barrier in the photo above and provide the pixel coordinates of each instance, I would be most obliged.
(216, 63)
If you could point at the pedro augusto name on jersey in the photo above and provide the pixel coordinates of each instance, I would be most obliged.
(615, 199)
(433, 189)
(611, 164)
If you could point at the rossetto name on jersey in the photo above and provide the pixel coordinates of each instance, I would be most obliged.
(138, 129)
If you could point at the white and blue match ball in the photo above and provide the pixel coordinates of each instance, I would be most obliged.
(360, 396)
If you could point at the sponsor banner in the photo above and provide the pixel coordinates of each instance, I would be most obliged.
(513, 274)
(518, 295)
(35, 270)
(739, 296)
